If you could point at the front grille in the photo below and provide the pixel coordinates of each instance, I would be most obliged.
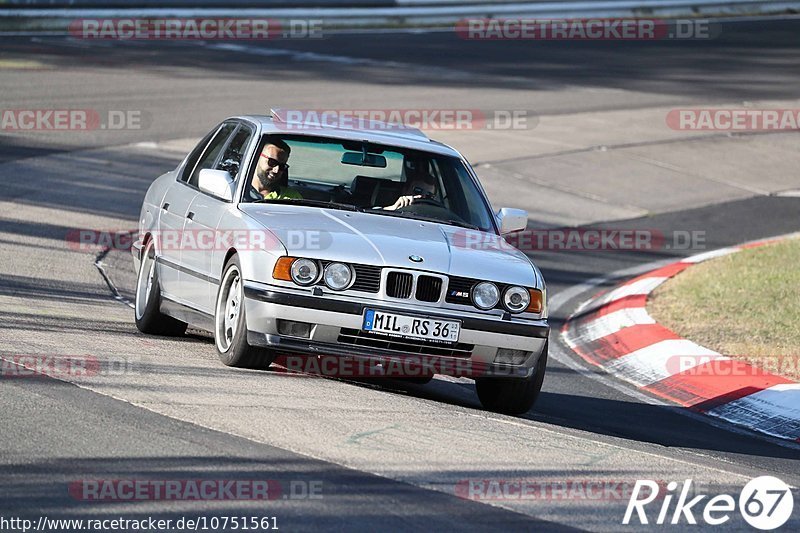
(357, 337)
(428, 289)
(458, 290)
(368, 278)
(399, 284)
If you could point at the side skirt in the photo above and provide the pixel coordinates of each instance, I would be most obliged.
(184, 313)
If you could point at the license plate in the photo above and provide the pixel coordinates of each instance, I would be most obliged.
(411, 327)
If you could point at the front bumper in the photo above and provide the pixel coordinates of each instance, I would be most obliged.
(329, 314)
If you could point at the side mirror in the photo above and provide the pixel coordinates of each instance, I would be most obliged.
(217, 183)
(511, 220)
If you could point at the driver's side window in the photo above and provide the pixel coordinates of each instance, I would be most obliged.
(209, 157)
(231, 160)
(194, 155)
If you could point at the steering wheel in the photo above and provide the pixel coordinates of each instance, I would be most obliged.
(424, 201)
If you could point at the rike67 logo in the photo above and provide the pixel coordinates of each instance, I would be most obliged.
(766, 503)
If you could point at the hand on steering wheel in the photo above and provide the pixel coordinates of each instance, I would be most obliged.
(403, 201)
(407, 201)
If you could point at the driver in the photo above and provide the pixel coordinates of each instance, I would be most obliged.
(416, 188)
(271, 177)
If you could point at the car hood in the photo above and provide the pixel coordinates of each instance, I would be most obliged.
(365, 238)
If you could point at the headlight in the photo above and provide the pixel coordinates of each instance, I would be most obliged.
(485, 295)
(338, 276)
(516, 299)
(304, 271)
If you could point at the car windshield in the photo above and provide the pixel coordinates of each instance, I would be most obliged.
(373, 178)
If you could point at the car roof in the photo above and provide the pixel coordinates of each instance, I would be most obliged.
(374, 131)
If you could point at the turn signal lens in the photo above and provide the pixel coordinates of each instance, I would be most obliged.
(283, 269)
(537, 301)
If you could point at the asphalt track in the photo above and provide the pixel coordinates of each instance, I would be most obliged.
(388, 456)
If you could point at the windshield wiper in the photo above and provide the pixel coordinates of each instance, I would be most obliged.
(309, 203)
(411, 216)
(464, 225)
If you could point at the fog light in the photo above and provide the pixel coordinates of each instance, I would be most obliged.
(294, 329)
(507, 356)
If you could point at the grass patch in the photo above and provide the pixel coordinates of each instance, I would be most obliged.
(745, 305)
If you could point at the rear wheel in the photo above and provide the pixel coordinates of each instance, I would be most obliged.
(230, 323)
(512, 396)
(147, 309)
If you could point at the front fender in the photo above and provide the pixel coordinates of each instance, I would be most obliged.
(257, 247)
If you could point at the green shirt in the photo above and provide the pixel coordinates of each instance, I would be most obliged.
(285, 194)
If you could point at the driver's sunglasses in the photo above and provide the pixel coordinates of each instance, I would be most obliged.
(419, 191)
(272, 162)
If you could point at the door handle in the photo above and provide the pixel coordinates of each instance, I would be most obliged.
(190, 215)
(165, 207)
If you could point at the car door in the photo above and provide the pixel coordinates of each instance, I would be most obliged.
(171, 217)
(174, 208)
(199, 282)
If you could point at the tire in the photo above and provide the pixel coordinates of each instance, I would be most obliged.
(230, 323)
(512, 396)
(147, 309)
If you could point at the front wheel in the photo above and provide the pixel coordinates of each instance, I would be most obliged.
(512, 396)
(147, 310)
(230, 323)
